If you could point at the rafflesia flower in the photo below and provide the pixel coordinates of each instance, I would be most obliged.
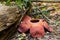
(36, 26)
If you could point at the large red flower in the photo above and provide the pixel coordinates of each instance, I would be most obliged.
(36, 26)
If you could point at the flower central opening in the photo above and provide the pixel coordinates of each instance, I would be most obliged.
(34, 21)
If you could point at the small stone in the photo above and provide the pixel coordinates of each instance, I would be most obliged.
(8, 24)
(23, 34)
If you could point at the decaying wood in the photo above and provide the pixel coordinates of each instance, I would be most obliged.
(8, 16)
(6, 34)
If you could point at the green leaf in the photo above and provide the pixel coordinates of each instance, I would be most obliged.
(26, 0)
(19, 3)
(45, 12)
(7, 2)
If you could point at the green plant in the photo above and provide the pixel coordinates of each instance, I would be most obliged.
(8, 2)
(19, 3)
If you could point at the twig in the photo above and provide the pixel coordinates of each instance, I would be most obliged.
(50, 21)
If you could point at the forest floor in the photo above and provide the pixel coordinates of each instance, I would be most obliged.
(47, 36)
(54, 23)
